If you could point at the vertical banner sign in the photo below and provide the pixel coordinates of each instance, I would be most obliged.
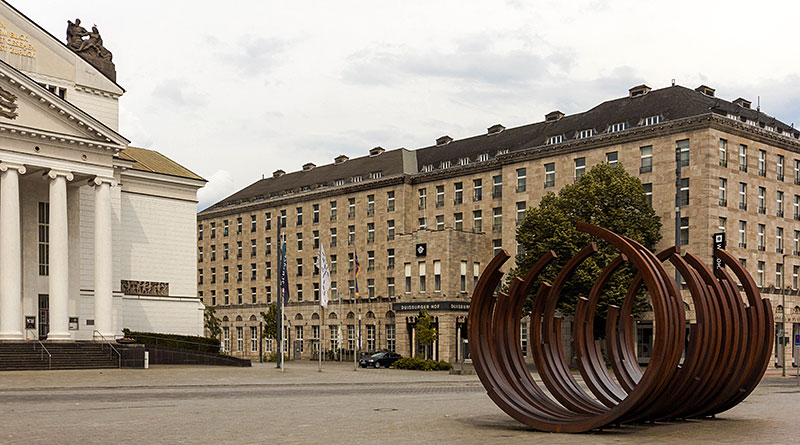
(719, 243)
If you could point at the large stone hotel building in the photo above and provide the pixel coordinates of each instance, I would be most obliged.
(424, 222)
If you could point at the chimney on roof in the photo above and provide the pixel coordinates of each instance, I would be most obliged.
(308, 166)
(553, 116)
(376, 151)
(639, 90)
(278, 173)
(744, 103)
(707, 90)
(496, 128)
(340, 159)
(444, 140)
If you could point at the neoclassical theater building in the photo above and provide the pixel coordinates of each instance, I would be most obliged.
(95, 236)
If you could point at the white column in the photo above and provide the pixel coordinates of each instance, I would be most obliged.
(59, 256)
(102, 259)
(10, 253)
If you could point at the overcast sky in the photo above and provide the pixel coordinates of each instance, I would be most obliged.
(233, 90)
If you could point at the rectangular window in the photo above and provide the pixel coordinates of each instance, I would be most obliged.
(390, 201)
(422, 273)
(780, 167)
(213, 275)
(760, 238)
(742, 157)
(422, 223)
(370, 205)
(316, 291)
(795, 273)
(200, 254)
(722, 224)
(334, 337)
(225, 228)
(684, 193)
(299, 237)
(557, 139)
(612, 158)
(521, 209)
(723, 192)
(476, 273)
(477, 221)
(268, 220)
(391, 338)
(723, 153)
(580, 167)
(299, 267)
(332, 265)
(797, 172)
(351, 235)
(423, 199)
(390, 287)
(437, 276)
(439, 222)
(253, 248)
(762, 163)
(407, 270)
(227, 293)
(199, 276)
(333, 210)
(477, 189)
(239, 249)
(683, 149)
(522, 180)
(351, 208)
(351, 337)
(796, 206)
(613, 128)
(315, 214)
(762, 205)
(199, 231)
(497, 219)
(44, 239)
(583, 134)
(497, 187)
(779, 204)
(253, 295)
(439, 196)
(333, 237)
(497, 246)
(651, 120)
(458, 193)
(390, 230)
(458, 221)
(743, 234)
(370, 260)
(648, 192)
(253, 223)
(390, 259)
(370, 233)
(760, 274)
(463, 281)
(298, 336)
(253, 339)
(370, 337)
(646, 155)
(239, 296)
(253, 272)
(299, 292)
(213, 230)
(549, 175)
(315, 233)
(742, 196)
(684, 231)
(239, 225)
(779, 239)
(239, 339)
(268, 291)
(796, 249)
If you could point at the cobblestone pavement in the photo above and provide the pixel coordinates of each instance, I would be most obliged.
(168, 404)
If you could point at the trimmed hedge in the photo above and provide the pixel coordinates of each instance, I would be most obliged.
(189, 342)
(418, 364)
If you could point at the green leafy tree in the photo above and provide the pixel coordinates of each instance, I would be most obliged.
(607, 197)
(271, 322)
(212, 322)
(426, 333)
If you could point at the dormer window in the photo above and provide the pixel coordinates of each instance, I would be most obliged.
(338, 182)
(483, 157)
(427, 168)
(357, 179)
(613, 128)
(583, 134)
(463, 161)
(375, 175)
(446, 164)
(557, 139)
(652, 120)
(752, 122)
(502, 152)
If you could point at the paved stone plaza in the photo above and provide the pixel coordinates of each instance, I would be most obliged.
(168, 404)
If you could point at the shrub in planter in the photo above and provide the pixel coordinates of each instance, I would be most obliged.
(418, 364)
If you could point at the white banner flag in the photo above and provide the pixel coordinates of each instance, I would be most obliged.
(325, 280)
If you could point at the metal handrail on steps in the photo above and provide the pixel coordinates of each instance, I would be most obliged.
(44, 349)
(119, 355)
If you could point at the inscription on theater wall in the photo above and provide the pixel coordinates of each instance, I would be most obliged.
(145, 288)
(14, 42)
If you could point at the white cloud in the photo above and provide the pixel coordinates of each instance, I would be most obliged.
(220, 185)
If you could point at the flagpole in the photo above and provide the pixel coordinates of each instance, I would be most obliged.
(341, 314)
(322, 323)
(283, 307)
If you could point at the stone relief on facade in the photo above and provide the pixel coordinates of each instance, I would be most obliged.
(145, 288)
(89, 45)
(8, 104)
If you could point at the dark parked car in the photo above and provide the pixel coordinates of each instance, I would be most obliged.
(380, 360)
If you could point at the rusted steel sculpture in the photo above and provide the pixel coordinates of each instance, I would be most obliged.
(727, 350)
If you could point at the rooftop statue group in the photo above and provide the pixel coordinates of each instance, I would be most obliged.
(90, 49)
